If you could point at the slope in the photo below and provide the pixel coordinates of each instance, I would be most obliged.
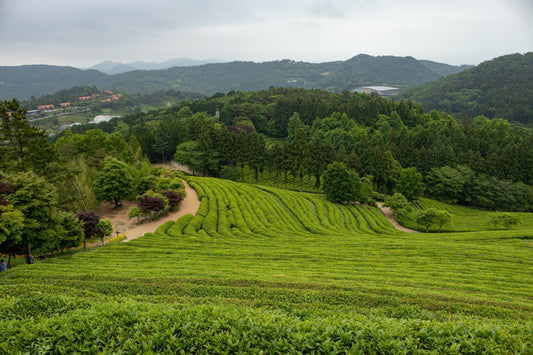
(275, 282)
(499, 88)
(23, 82)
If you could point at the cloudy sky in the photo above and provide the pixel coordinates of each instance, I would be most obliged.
(82, 33)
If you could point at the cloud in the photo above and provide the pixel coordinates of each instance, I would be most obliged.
(86, 32)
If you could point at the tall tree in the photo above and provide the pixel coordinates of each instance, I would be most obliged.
(114, 183)
(340, 184)
(35, 198)
(410, 183)
(21, 144)
(301, 154)
(90, 222)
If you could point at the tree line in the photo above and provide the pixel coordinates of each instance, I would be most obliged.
(373, 136)
(48, 192)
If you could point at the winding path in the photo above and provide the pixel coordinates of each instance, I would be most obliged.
(121, 223)
(387, 212)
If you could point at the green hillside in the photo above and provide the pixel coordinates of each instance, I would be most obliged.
(266, 270)
(498, 88)
(25, 81)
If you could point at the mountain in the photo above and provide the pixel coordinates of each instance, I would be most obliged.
(498, 88)
(444, 69)
(111, 68)
(361, 70)
(24, 81)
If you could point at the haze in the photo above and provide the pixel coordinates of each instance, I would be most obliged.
(84, 33)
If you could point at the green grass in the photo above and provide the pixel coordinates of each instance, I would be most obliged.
(465, 219)
(282, 272)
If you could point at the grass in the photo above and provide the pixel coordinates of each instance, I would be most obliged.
(278, 271)
(465, 219)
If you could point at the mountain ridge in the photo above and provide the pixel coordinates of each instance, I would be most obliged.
(360, 70)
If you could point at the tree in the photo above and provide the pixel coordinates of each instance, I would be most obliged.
(106, 227)
(410, 183)
(11, 229)
(114, 182)
(505, 220)
(26, 144)
(447, 183)
(396, 201)
(35, 198)
(174, 198)
(150, 204)
(300, 154)
(430, 217)
(90, 225)
(426, 218)
(340, 184)
(72, 231)
(442, 217)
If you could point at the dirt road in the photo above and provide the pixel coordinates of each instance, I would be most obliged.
(122, 224)
(387, 212)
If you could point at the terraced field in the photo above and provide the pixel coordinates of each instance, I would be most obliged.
(261, 269)
(466, 219)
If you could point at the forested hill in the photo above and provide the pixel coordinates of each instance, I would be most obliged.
(22, 82)
(499, 88)
(403, 72)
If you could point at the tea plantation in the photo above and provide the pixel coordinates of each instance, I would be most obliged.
(263, 270)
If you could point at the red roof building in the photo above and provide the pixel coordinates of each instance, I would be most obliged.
(46, 107)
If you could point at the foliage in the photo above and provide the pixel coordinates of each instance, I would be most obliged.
(136, 212)
(174, 198)
(35, 198)
(91, 225)
(497, 88)
(114, 182)
(269, 281)
(340, 184)
(430, 217)
(150, 204)
(410, 183)
(23, 146)
(36, 80)
(505, 220)
(11, 227)
(106, 229)
(396, 201)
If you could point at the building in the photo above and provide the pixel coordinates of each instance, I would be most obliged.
(64, 104)
(46, 108)
(380, 90)
(85, 98)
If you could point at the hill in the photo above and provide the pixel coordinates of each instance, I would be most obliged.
(499, 88)
(260, 269)
(403, 72)
(23, 82)
(108, 67)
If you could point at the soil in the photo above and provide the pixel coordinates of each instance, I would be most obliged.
(122, 224)
(387, 212)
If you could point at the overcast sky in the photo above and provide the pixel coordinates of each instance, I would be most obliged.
(83, 33)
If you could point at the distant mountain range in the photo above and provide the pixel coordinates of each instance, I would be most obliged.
(498, 88)
(111, 68)
(22, 82)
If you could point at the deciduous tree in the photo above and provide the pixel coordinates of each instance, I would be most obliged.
(114, 183)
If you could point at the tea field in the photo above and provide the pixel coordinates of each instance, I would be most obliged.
(264, 270)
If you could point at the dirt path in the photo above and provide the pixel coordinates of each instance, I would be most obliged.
(122, 224)
(387, 212)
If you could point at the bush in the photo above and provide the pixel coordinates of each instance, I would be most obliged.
(230, 172)
(505, 220)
